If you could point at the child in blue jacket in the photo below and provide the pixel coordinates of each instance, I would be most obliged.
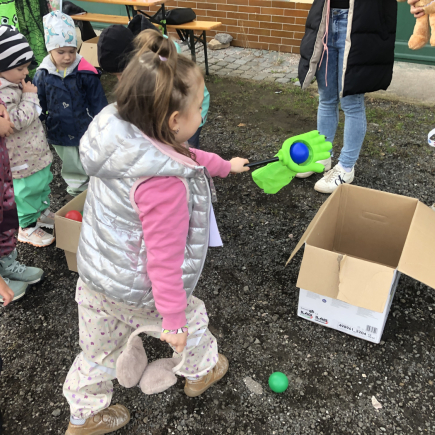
(70, 94)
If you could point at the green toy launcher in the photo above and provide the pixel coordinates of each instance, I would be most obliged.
(298, 154)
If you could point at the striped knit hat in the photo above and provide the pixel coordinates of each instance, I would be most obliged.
(14, 49)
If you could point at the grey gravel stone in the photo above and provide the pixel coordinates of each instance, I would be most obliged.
(253, 386)
(56, 412)
(223, 38)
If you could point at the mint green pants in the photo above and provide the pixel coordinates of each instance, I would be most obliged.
(72, 170)
(32, 196)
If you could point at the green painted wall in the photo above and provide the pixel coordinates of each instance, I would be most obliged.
(405, 27)
(102, 8)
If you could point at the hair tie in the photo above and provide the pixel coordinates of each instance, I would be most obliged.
(163, 59)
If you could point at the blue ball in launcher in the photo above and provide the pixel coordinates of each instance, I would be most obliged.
(299, 152)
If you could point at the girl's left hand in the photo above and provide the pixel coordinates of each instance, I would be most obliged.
(238, 165)
(178, 341)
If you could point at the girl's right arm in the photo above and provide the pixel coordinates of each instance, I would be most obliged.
(217, 166)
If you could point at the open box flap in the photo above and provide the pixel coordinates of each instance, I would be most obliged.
(316, 218)
(319, 271)
(364, 284)
(418, 255)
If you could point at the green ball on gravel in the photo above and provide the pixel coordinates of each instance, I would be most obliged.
(278, 382)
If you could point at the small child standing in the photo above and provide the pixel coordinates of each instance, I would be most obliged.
(70, 93)
(29, 153)
(14, 277)
(147, 223)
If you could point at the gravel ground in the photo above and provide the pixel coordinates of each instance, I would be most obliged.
(251, 298)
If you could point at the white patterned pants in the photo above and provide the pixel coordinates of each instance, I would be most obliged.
(105, 326)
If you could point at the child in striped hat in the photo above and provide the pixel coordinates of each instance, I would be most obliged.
(29, 153)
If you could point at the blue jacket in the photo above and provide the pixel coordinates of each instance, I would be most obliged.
(68, 103)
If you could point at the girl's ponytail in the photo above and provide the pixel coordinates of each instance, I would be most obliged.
(155, 84)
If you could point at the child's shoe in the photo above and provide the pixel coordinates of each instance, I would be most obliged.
(333, 179)
(35, 236)
(46, 219)
(197, 387)
(18, 287)
(106, 421)
(12, 269)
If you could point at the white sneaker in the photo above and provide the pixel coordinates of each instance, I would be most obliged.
(333, 179)
(46, 219)
(35, 236)
(326, 163)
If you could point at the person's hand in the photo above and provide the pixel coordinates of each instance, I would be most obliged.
(178, 341)
(6, 127)
(6, 293)
(29, 87)
(4, 113)
(416, 11)
(237, 165)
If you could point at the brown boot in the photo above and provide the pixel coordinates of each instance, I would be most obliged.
(197, 387)
(106, 421)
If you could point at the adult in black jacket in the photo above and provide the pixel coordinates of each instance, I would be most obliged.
(358, 58)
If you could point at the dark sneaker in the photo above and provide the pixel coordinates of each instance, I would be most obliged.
(15, 271)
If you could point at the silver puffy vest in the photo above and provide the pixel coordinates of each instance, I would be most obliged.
(112, 256)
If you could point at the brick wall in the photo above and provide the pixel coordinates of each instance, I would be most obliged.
(261, 24)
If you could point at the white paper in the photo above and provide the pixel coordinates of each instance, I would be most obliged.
(214, 237)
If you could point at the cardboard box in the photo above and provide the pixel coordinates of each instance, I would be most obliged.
(68, 231)
(89, 51)
(355, 248)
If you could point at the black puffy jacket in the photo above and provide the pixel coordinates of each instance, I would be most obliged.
(369, 53)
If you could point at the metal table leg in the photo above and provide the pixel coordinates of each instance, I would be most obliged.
(161, 23)
(192, 45)
(204, 42)
(162, 8)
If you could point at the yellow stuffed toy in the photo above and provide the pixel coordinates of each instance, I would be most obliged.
(423, 26)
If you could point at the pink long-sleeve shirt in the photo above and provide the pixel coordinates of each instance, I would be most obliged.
(163, 211)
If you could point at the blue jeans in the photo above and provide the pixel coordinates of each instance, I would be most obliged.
(355, 124)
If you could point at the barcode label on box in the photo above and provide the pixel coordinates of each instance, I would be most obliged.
(372, 329)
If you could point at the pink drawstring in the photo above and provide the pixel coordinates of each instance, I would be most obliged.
(325, 41)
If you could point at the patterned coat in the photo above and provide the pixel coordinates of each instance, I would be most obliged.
(28, 148)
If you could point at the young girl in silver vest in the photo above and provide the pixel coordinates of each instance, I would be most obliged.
(147, 223)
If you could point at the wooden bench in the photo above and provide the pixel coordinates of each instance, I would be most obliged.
(186, 31)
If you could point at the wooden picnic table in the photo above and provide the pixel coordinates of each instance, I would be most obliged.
(134, 5)
(185, 31)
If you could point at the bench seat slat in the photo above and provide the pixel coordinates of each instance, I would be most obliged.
(118, 19)
(101, 18)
